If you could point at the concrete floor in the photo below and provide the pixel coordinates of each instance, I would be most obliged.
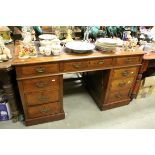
(82, 112)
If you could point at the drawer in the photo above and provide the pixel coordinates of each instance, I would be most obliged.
(101, 63)
(39, 69)
(34, 98)
(74, 66)
(43, 110)
(121, 84)
(119, 95)
(45, 83)
(128, 60)
(125, 72)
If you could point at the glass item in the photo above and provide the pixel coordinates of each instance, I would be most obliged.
(148, 47)
(126, 45)
(58, 33)
(27, 38)
(69, 35)
(28, 34)
(127, 35)
(47, 51)
(56, 47)
(42, 50)
(133, 43)
(86, 33)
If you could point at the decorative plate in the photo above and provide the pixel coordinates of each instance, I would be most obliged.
(79, 46)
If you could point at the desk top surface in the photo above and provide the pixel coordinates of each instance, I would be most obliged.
(149, 56)
(66, 56)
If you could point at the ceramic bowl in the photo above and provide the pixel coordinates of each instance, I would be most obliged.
(46, 42)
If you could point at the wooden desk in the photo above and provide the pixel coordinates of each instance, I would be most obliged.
(109, 77)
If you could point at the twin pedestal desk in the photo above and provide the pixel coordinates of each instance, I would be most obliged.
(110, 78)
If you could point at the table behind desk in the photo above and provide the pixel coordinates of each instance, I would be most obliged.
(8, 81)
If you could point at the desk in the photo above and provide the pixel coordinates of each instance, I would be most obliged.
(109, 77)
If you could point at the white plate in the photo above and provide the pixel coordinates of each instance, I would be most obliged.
(105, 45)
(106, 48)
(47, 37)
(80, 46)
(107, 41)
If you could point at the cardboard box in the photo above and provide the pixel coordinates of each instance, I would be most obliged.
(147, 87)
(149, 81)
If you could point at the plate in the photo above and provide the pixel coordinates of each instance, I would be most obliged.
(47, 37)
(79, 46)
(104, 45)
(105, 49)
(107, 41)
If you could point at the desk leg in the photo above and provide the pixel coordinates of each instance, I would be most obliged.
(136, 88)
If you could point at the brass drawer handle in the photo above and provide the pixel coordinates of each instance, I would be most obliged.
(40, 69)
(44, 110)
(122, 84)
(41, 84)
(101, 62)
(125, 73)
(43, 98)
(76, 65)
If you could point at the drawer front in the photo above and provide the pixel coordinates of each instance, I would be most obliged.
(74, 66)
(39, 69)
(121, 84)
(34, 98)
(101, 63)
(125, 72)
(43, 110)
(51, 83)
(119, 95)
(128, 60)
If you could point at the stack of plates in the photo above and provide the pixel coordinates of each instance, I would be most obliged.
(106, 44)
